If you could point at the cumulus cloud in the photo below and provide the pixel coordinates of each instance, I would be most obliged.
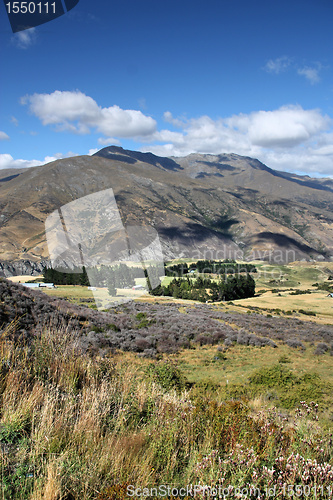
(7, 161)
(287, 126)
(76, 112)
(277, 65)
(289, 138)
(311, 74)
(24, 39)
(3, 136)
(284, 127)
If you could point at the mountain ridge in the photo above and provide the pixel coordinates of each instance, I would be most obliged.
(199, 204)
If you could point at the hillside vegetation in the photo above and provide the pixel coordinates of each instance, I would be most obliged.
(237, 401)
(86, 427)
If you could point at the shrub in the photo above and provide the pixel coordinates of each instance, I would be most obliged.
(275, 376)
(171, 329)
(97, 329)
(284, 359)
(307, 313)
(321, 349)
(112, 326)
(294, 343)
(167, 375)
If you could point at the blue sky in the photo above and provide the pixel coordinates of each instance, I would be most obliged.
(250, 77)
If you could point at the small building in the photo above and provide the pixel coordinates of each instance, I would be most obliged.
(38, 285)
(138, 287)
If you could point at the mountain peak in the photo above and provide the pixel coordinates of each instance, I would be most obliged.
(132, 157)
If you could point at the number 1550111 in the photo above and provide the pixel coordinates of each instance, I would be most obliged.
(31, 8)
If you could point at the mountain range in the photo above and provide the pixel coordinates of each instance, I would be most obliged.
(201, 205)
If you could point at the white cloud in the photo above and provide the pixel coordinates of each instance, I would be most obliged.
(76, 112)
(311, 74)
(277, 65)
(289, 138)
(3, 136)
(284, 63)
(24, 39)
(288, 126)
(167, 116)
(14, 121)
(284, 127)
(107, 141)
(309, 161)
(7, 161)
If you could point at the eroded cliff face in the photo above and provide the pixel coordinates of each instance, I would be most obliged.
(22, 268)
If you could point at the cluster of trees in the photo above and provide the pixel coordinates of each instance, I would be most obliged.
(119, 276)
(236, 284)
(176, 269)
(205, 289)
(77, 276)
(112, 277)
(219, 267)
(123, 276)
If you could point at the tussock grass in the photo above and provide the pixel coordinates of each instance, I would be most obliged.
(77, 426)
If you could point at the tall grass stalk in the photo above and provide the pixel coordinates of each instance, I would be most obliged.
(73, 425)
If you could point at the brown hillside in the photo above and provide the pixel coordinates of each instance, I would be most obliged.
(213, 206)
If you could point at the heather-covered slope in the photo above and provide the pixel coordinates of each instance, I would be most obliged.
(149, 329)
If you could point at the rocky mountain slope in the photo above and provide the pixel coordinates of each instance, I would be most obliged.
(203, 206)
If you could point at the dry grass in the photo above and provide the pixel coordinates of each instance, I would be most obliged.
(72, 425)
(202, 363)
(24, 278)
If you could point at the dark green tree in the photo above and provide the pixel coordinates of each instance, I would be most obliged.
(84, 280)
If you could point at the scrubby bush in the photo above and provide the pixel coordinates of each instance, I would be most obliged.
(167, 375)
(272, 377)
(289, 389)
(321, 348)
(295, 344)
(307, 313)
(132, 326)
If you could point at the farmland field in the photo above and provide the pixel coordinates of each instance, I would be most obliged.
(274, 286)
